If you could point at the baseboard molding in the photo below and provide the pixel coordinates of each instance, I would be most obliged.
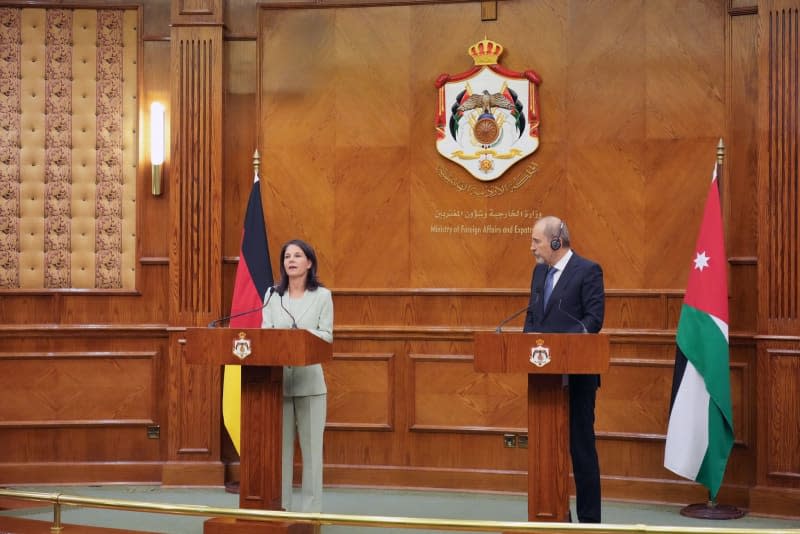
(777, 502)
(193, 474)
(155, 473)
(426, 478)
(51, 473)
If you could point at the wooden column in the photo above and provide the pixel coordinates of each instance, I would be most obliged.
(778, 342)
(195, 273)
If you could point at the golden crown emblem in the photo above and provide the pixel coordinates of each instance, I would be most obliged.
(485, 52)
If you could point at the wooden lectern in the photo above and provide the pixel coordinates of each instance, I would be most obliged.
(545, 358)
(262, 353)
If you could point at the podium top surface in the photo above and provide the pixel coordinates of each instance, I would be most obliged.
(253, 346)
(541, 353)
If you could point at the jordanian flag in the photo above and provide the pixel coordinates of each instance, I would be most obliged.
(253, 277)
(700, 432)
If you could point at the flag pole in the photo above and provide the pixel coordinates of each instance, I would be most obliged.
(720, 176)
(257, 162)
(233, 486)
(711, 509)
(720, 166)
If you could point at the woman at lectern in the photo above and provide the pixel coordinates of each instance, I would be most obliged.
(300, 301)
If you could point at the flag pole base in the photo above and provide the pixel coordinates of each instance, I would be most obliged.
(712, 510)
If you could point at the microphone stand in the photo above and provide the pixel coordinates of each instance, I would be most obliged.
(215, 322)
(294, 323)
(565, 312)
(516, 314)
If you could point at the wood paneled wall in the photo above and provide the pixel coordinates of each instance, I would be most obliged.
(340, 102)
(627, 135)
(631, 112)
(196, 83)
(778, 345)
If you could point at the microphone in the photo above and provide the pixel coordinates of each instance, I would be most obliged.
(565, 312)
(215, 322)
(294, 323)
(499, 328)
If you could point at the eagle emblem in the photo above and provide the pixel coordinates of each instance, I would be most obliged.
(540, 355)
(241, 346)
(488, 117)
(485, 128)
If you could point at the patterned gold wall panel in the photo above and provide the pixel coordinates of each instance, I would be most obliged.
(31, 148)
(84, 134)
(130, 152)
(9, 159)
(58, 147)
(69, 164)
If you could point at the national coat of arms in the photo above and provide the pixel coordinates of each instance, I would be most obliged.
(487, 118)
(241, 346)
(540, 355)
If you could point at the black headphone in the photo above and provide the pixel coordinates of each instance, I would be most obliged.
(555, 243)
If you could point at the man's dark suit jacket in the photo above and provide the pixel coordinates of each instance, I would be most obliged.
(579, 297)
(577, 304)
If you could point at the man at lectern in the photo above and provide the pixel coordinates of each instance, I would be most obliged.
(567, 295)
(302, 302)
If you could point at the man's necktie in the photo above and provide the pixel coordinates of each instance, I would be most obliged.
(549, 282)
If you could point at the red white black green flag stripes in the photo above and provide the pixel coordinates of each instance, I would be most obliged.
(700, 432)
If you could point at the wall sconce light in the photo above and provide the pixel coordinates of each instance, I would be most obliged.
(156, 145)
